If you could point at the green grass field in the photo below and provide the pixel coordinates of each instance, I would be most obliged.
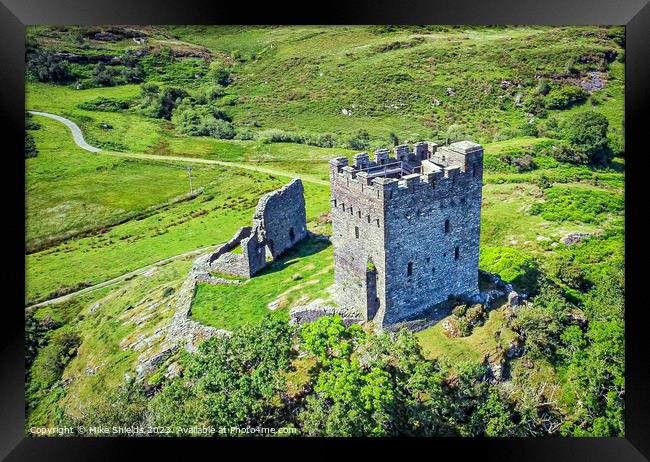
(94, 217)
(302, 275)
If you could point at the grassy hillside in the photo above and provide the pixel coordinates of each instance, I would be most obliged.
(291, 98)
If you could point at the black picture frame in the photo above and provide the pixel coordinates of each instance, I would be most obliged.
(16, 14)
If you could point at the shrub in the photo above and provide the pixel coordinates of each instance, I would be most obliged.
(201, 121)
(359, 140)
(587, 133)
(42, 65)
(564, 97)
(522, 164)
(219, 73)
(104, 76)
(52, 359)
(459, 311)
(158, 103)
(30, 123)
(104, 104)
(245, 133)
(562, 152)
(30, 146)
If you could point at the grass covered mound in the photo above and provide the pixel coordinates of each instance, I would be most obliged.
(512, 265)
(580, 205)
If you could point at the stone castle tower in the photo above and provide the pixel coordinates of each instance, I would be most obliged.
(406, 229)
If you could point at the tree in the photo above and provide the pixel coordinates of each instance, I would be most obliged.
(587, 133)
(596, 375)
(158, 103)
(230, 382)
(30, 146)
(359, 140)
(219, 73)
(44, 66)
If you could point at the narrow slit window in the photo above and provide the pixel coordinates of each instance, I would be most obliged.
(409, 269)
(356, 232)
(447, 226)
(334, 203)
(456, 253)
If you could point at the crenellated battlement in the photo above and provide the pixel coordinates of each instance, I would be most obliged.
(427, 168)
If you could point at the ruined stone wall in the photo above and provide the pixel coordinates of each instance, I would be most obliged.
(279, 223)
(423, 237)
(280, 218)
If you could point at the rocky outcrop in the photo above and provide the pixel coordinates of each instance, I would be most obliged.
(573, 238)
(317, 309)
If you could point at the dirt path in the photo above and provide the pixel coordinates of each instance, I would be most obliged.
(122, 278)
(77, 135)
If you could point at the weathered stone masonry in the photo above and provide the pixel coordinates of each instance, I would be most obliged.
(406, 229)
(279, 223)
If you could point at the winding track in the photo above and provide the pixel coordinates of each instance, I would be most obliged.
(79, 140)
(77, 135)
(123, 277)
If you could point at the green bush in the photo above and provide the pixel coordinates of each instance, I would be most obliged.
(42, 65)
(359, 140)
(219, 73)
(587, 133)
(159, 103)
(104, 104)
(201, 121)
(564, 97)
(30, 146)
(52, 359)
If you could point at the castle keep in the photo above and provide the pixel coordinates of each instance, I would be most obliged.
(406, 229)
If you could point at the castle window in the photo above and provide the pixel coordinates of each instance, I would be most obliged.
(409, 269)
(473, 170)
(433, 270)
(359, 213)
(377, 222)
(368, 218)
(447, 226)
(456, 253)
(343, 206)
(351, 211)
(292, 235)
(334, 202)
(356, 232)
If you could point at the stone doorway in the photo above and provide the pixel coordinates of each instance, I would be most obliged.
(371, 288)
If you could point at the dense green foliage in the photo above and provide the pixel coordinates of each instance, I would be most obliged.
(587, 133)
